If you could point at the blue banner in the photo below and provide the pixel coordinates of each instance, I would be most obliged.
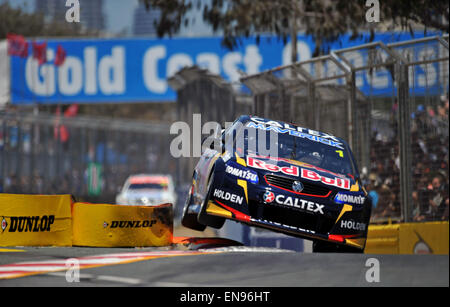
(136, 70)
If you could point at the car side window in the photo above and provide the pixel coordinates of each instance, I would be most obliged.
(230, 133)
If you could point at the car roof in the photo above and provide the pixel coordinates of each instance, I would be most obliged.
(283, 123)
(143, 178)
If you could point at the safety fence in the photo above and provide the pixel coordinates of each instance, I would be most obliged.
(88, 157)
(390, 102)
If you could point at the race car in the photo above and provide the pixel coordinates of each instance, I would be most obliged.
(281, 177)
(147, 190)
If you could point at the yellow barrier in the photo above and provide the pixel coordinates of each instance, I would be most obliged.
(35, 220)
(103, 225)
(424, 238)
(408, 238)
(382, 239)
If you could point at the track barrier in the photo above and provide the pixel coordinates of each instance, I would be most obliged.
(408, 238)
(104, 225)
(54, 220)
(35, 220)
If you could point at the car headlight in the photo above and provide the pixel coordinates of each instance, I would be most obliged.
(145, 201)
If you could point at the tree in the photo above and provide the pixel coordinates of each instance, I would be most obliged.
(33, 24)
(325, 20)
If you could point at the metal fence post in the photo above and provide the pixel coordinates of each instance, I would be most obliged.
(312, 103)
(405, 141)
(351, 112)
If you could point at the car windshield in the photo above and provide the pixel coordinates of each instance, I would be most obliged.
(148, 186)
(294, 147)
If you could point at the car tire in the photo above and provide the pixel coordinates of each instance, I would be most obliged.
(327, 247)
(205, 218)
(189, 220)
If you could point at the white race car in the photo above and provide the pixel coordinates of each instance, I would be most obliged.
(147, 190)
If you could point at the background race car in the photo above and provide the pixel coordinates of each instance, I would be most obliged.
(147, 190)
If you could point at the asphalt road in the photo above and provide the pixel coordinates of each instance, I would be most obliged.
(239, 267)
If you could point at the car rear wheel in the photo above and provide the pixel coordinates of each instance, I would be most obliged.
(189, 219)
(205, 218)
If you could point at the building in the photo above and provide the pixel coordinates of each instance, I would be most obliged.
(143, 23)
(91, 12)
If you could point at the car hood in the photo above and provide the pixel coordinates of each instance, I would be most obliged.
(146, 193)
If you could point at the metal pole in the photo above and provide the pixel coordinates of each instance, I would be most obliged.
(312, 103)
(351, 113)
(4, 148)
(405, 141)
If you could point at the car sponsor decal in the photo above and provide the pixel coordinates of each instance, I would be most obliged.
(240, 172)
(309, 134)
(336, 181)
(284, 200)
(268, 197)
(353, 225)
(345, 198)
(228, 196)
(291, 170)
(295, 162)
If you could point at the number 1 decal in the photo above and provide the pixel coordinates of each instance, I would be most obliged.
(341, 153)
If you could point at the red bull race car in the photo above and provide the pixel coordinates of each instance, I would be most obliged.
(281, 177)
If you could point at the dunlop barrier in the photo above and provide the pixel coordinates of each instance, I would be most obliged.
(103, 225)
(408, 238)
(35, 220)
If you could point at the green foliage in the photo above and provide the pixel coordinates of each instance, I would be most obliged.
(325, 20)
(34, 24)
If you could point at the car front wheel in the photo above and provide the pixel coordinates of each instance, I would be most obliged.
(205, 218)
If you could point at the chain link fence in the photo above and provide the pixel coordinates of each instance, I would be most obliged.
(203, 97)
(426, 69)
(390, 102)
(87, 157)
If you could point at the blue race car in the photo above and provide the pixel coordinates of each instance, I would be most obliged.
(305, 184)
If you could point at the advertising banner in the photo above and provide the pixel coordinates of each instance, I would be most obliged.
(136, 70)
(94, 179)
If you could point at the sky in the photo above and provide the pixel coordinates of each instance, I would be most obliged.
(119, 16)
